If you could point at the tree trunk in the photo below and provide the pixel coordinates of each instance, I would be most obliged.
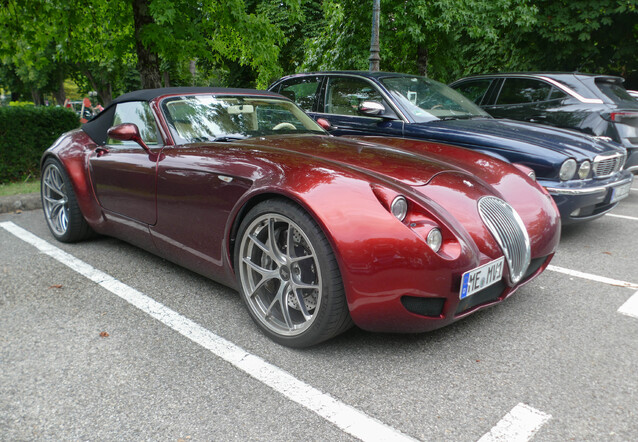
(60, 94)
(147, 60)
(167, 79)
(422, 59)
(37, 97)
(103, 90)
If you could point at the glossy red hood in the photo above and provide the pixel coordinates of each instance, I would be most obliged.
(413, 169)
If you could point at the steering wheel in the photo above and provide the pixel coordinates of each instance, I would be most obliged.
(284, 126)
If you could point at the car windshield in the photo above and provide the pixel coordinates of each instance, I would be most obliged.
(428, 100)
(205, 118)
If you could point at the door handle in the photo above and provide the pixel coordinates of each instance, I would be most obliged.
(101, 151)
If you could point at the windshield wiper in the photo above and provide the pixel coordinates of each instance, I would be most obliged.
(226, 139)
(463, 117)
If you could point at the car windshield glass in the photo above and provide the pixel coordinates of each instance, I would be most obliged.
(616, 92)
(208, 118)
(428, 100)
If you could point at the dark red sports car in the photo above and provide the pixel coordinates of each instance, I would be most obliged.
(315, 232)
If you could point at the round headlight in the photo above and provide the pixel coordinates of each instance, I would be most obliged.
(583, 170)
(399, 208)
(434, 239)
(567, 170)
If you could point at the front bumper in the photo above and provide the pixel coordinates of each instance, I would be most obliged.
(585, 200)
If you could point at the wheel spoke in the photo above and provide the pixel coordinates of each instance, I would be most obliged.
(261, 245)
(261, 283)
(272, 242)
(290, 247)
(262, 271)
(302, 305)
(282, 296)
(49, 185)
(54, 201)
(63, 220)
(303, 285)
(301, 258)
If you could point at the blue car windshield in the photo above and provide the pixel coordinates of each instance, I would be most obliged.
(428, 100)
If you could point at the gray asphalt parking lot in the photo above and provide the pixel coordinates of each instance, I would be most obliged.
(135, 352)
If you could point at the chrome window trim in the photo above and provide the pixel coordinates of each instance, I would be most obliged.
(572, 92)
(559, 85)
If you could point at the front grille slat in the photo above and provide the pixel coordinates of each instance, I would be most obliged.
(510, 233)
(606, 165)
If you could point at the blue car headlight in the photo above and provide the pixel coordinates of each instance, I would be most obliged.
(567, 170)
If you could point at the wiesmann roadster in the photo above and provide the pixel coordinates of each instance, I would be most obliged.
(315, 232)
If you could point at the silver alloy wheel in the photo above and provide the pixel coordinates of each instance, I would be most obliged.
(55, 200)
(280, 274)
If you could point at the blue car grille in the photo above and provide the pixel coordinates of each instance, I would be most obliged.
(608, 164)
(509, 232)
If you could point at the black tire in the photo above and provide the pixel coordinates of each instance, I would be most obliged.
(288, 275)
(60, 206)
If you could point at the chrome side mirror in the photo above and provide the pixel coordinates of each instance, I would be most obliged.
(371, 108)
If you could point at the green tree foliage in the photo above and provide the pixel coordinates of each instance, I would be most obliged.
(598, 36)
(447, 39)
(98, 42)
(118, 45)
(420, 36)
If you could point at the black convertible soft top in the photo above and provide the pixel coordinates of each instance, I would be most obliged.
(96, 128)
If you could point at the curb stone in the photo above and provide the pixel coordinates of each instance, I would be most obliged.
(12, 203)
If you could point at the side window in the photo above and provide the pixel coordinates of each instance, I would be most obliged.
(474, 90)
(302, 91)
(523, 90)
(556, 94)
(140, 114)
(345, 94)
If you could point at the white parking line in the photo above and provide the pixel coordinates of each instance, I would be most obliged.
(519, 425)
(347, 418)
(591, 277)
(622, 216)
(630, 308)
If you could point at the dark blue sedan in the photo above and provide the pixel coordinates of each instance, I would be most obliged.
(584, 175)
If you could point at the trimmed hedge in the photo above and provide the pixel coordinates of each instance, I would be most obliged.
(25, 133)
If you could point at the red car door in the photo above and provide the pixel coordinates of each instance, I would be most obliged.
(124, 175)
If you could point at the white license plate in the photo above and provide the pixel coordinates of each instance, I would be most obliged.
(479, 278)
(620, 192)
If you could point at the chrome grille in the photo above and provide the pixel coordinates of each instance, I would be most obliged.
(510, 233)
(605, 165)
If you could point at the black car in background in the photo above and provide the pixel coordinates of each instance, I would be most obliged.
(597, 105)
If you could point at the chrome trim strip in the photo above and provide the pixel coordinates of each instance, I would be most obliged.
(587, 191)
(571, 92)
(553, 190)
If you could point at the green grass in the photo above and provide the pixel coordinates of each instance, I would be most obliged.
(31, 186)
